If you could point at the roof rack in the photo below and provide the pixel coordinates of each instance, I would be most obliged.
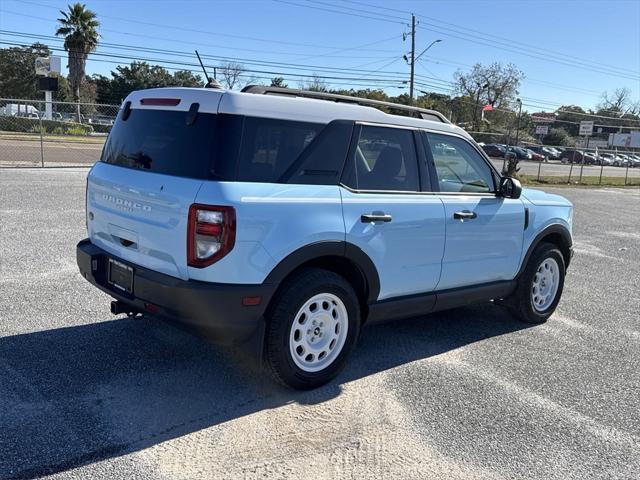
(423, 113)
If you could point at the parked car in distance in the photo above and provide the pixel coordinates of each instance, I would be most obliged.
(493, 150)
(72, 117)
(550, 152)
(535, 156)
(620, 161)
(571, 155)
(598, 157)
(282, 224)
(520, 153)
(607, 159)
(635, 158)
(628, 160)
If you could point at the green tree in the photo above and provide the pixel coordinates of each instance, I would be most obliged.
(494, 85)
(79, 28)
(570, 116)
(278, 82)
(17, 71)
(88, 95)
(139, 76)
(557, 137)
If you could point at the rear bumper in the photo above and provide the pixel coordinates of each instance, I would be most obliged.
(215, 310)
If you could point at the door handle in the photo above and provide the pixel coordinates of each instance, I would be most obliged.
(375, 217)
(465, 215)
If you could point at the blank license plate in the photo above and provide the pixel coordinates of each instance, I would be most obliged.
(120, 276)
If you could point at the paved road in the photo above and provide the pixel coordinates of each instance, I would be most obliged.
(27, 153)
(470, 393)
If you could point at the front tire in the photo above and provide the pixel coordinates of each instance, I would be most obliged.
(312, 327)
(540, 286)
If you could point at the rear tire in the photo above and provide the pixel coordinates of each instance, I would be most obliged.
(312, 326)
(540, 286)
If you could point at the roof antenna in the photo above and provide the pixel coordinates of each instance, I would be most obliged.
(211, 82)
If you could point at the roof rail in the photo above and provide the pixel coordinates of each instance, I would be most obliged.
(423, 113)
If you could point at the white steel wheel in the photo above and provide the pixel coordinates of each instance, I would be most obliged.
(318, 332)
(545, 284)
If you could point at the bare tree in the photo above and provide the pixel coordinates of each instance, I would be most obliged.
(231, 73)
(315, 84)
(619, 102)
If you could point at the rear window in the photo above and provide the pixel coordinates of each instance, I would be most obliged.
(160, 141)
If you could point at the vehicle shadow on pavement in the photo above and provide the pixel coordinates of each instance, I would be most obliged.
(77, 395)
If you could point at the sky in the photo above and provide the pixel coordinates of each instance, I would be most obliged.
(570, 51)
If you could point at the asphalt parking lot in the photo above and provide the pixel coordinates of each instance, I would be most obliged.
(470, 393)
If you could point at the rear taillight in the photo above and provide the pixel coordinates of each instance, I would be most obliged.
(211, 234)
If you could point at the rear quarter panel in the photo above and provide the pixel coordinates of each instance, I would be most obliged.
(273, 220)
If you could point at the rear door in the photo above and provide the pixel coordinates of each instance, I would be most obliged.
(386, 215)
(484, 232)
(152, 166)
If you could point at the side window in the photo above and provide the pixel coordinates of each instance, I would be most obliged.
(322, 162)
(384, 159)
(460, 168)
(269, 147)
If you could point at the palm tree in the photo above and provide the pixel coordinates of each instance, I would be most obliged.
(79, 28)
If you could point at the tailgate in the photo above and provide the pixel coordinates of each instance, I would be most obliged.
(140, 216)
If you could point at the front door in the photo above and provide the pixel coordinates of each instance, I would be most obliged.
(484, 232)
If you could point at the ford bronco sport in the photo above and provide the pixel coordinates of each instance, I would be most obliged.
(286, 220)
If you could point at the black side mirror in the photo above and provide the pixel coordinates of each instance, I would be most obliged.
(509, 188)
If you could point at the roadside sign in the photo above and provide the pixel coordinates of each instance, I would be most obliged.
(542, 129)
(586, 128)
(47, 65)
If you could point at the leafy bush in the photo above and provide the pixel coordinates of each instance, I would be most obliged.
(557, 136)
(101, 128)
(32, 125)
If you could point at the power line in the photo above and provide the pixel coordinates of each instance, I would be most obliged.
(526, 79)
(191, 64)
(509, 41)
(200, 44)
(476, 39)
(179, 53)
(371, 17)
(186, 29)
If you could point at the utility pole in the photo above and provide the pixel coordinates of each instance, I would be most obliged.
(413, 55)
(518, 124)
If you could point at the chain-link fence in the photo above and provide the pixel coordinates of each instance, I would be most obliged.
(548, 164)
(67, 134)
(30, 135)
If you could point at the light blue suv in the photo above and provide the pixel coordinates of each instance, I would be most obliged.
(282, 221)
